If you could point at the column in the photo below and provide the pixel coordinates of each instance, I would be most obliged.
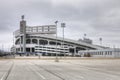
(38, 42)
(30, 50)
(74, 51)
(48, 42)
(20, 45)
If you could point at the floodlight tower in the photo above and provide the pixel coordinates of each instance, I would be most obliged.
(100, 39)
(84, 36)
(63, 26)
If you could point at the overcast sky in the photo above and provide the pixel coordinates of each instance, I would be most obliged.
(96, 18)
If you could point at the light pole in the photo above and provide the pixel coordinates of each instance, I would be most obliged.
(85, 35)
(2, 48)
(100, 41)
(14, 49)
(63, 26)
(56, 59)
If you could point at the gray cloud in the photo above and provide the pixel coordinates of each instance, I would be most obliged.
(97, 18)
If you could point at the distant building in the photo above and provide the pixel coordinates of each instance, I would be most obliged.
(86, 40)
(109, 53)
(43, 40)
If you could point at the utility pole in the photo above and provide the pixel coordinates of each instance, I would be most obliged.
(56, 60)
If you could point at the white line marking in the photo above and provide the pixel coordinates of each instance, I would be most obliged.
(41, 75)
(37, 73)
(81, 77)
(3, 76)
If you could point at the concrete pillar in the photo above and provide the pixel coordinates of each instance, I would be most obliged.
(23, 32)
(74, 51)
(30, 50)
(31, 41)
(38, 42)
(20, 45)
(48, 42)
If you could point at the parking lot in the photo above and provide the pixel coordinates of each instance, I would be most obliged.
(83, 69)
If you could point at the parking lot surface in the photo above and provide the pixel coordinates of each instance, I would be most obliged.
(93, 69)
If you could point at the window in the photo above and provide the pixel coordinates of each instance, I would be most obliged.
(28, 41)
(34, 41)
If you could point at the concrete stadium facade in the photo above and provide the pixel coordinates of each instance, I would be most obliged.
(43, 39)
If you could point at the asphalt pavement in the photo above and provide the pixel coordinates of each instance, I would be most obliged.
(12, 69)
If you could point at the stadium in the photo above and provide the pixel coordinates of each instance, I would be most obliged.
(43, 40)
